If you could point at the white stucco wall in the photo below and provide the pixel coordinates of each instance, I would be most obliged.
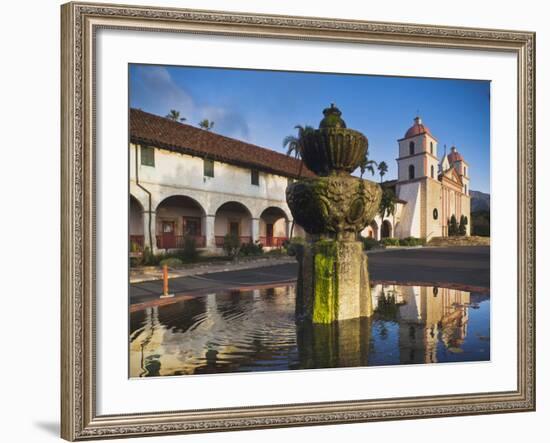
(409, 223)
(180, 174)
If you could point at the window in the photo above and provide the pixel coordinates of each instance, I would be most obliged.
(465, 171)
(147, 156)
(432, 171)
(191, 226)
(208, 168)
(411, 172)
(431, 147)
(255, 177)
(465, 189)
(411, 148)
(435, 214)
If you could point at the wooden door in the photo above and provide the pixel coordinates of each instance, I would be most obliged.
(168, 235)
(234, 229)
(269, 234)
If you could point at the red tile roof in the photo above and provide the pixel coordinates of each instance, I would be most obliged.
(166, 134)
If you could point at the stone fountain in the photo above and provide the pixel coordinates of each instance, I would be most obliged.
(333, 279)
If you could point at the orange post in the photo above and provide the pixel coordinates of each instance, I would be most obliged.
(165, 283)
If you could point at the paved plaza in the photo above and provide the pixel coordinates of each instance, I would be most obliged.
(468, 266)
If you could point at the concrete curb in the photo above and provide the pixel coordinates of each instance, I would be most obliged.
(156, 273)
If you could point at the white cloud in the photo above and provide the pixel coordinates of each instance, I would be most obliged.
(154, 90)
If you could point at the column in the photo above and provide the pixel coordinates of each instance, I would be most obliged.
(255, 228)
(150, 235)
(209, 231)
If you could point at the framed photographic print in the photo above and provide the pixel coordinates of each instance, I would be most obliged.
(282, 221)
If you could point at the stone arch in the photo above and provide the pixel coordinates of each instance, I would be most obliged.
(233, 217)
(274, 227)
(179, 217)
(135, 224)
(372, 230)
(386, 229)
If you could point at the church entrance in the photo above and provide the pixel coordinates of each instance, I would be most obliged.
(386, 229)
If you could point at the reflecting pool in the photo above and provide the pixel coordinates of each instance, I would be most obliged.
(255, 330)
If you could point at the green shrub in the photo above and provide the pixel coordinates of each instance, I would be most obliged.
(251, 249)
(370, 243)
(231, 245)
(390, 241)
(189, 252)
(135, 262)
(149, 259)
(294, 244)
(412, 241)
(171, 262)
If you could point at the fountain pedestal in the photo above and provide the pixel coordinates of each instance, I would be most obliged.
(333, 280)
(334, 283)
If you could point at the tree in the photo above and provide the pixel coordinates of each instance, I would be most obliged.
(462, 225)
(295, 145)
(382, 169)
(452, 226)
(175, 116)
(367, 165)
(206, 124)
(387, 203)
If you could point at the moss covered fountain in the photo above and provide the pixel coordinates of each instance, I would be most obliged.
(333, 280)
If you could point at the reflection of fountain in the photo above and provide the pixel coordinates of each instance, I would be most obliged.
(339, 344)
(333, 281)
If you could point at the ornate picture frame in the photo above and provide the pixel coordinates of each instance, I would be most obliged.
(80, 22)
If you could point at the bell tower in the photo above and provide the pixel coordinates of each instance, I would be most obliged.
(417, 153)
(418, 183)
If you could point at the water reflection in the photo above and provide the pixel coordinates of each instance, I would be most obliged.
(256, 331)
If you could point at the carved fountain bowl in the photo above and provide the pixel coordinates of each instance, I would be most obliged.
(334, 149)
(334, 204)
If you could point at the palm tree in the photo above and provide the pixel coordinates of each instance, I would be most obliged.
(295, 145)
(387, 203)
(367, 165)
(206, 124)
(175, 116)
(382, 169)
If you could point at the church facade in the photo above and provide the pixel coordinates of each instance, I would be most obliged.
(189, 182)
(429, 189)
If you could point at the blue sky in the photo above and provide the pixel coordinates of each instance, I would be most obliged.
(262, 107)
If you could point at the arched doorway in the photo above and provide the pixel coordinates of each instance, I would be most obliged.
(273, 227)
(372, 230)
(386, 230)
(135, 225)
(179, 217)
(233, 218)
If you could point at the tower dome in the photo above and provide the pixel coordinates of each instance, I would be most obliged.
(417, 128)
(454, 156)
